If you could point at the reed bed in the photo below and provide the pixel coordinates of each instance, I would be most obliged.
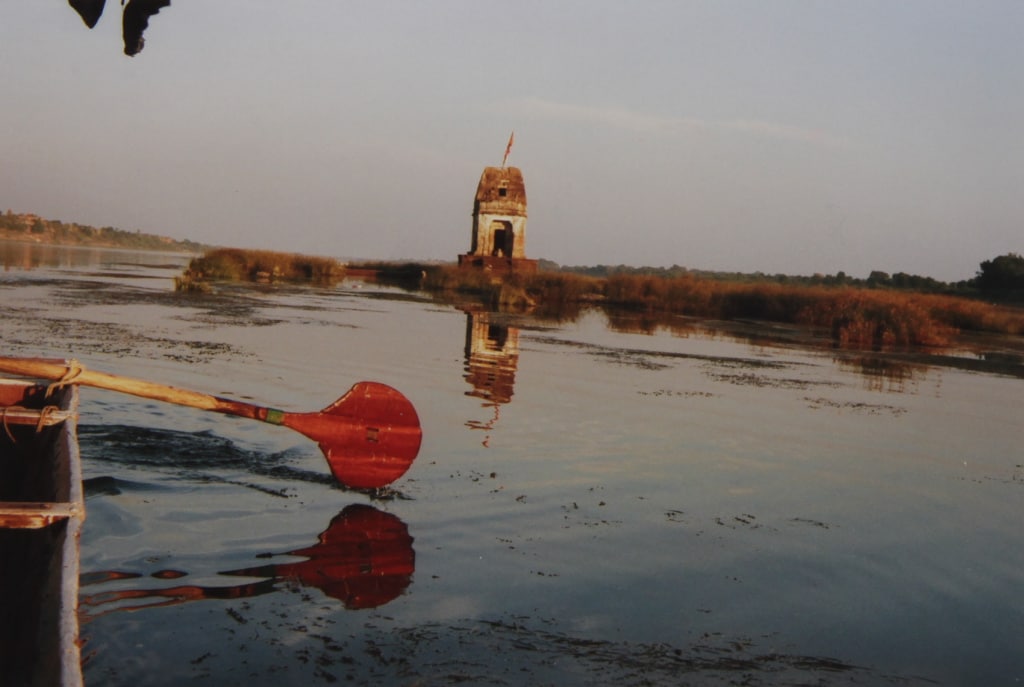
(545, 290)
(851, 316)
(875, 318)
(234, 264)
(854, 316)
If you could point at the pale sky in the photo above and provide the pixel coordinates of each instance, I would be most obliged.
(779, 136)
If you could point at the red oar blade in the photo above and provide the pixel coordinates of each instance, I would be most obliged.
(370, 436)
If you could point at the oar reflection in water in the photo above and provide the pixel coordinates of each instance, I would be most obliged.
(364, 558)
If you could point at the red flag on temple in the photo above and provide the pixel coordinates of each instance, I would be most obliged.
(508, 148)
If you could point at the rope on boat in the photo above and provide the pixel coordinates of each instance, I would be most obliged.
(10, 434)
(74, 371)
(45, 413)
(43, 417)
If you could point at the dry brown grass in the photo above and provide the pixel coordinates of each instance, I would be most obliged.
(235, 264)
(857, 317)
(876, 319)
(853, 316)
(546, 290)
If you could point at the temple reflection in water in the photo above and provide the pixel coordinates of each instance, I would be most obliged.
(492, 355)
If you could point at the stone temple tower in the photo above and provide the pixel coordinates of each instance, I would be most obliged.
(499, 223)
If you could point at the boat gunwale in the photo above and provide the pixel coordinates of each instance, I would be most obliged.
(67, 512)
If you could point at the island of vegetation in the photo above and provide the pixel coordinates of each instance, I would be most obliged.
(236, 264)
(880, 312)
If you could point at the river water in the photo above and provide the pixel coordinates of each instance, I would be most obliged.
(596, 501)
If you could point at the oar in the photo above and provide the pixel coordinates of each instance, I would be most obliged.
(370, 436)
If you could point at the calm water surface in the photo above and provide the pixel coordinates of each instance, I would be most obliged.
(592, 504)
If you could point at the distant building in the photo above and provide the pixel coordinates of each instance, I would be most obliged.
(499, 223)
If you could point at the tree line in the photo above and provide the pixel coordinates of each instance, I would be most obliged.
(1001, 278)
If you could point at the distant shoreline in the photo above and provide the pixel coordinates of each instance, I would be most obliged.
(101, 246)
(35, 230)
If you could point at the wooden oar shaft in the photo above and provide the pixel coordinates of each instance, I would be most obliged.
(370, 436)
(47, 369)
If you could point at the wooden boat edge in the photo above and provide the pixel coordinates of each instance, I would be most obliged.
(64, 517)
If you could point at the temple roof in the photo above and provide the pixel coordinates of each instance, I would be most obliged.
(502, 185)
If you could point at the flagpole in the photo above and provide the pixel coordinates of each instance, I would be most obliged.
(508, 149)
